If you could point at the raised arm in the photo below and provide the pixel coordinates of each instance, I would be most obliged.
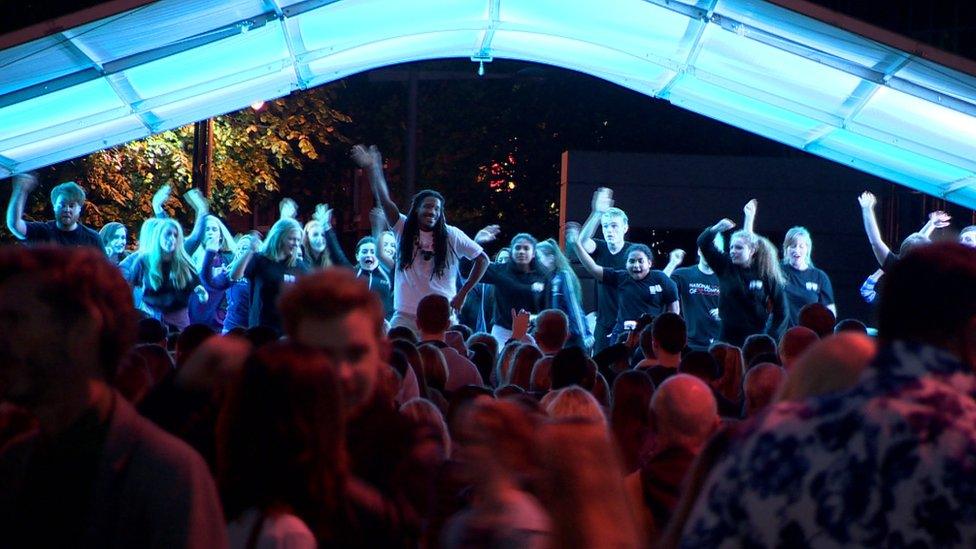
(880, 249)
(749, 215)
(23, 184)
(372, 161)
(602, 201)
(715, 257)
(674, 259)
(587, 261)
(377, 220)
(201, 209)
(159, 198)
(239, 265)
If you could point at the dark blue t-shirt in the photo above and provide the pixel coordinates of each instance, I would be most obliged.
(651, 294)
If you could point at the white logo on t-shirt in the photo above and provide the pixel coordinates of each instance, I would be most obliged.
(813, 286)
(655, 289)
(288, 279)
(756, 285)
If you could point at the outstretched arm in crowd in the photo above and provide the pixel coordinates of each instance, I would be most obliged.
(372, 161)
(878, 246)
(602, 201)
(867, 289)
(674, 260)
(323, 214)
(749, 215)
(201, 208)
(239, 265)
(587, 261)
(23, 184)
(715, 257)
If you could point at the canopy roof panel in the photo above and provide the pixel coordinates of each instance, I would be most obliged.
(842, 90)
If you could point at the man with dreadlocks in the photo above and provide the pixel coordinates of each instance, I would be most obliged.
(428, 249)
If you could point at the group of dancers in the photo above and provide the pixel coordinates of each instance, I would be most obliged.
(212, 277)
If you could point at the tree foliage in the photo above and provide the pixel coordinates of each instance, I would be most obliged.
(251, 149)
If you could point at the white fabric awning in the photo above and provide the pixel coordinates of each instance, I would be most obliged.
(844, 91)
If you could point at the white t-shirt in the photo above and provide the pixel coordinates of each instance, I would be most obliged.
(413, 284)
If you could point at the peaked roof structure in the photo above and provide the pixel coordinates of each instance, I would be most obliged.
(786, 70)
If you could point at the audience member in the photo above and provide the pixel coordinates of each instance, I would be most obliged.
(95, 473)
(683, 416)
(629, 418)
(851, 325)
(818, 318)
(760, 386)
(668, 340)
(702, 365)
(729, 359)
(892, 478)
(794, 342)
(833, 364)
(433, 319)
(522, 362)
(758, 344)
(574, 402)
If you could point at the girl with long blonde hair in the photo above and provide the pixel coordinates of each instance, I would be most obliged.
(279, 262)
(563, 292)
(166, 274)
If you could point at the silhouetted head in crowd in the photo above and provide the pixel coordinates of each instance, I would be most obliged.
(416, 363)
(632, 392)
(433, 316)
(967, 236)
(944, 314)
(700, 364)
(683, 413)
(615, 358)
(669, 335)
(833, 364)
(582, 485)
(66, 321)
(281, 437)
(435, 366)
(494, 440)
(480, 355)
(818, 318)
(573, 402)
(851, 325)
(132, 379)
(463, 330)
(794, 342)
(152, 330)
(645, 341)
(730, 364)
(755, 345)
(541, 379)
(913, 241)
(337, 313)
(189, 339)
(434, 440)
(157, 358)
(760, 386)
(508, 391)
(571, 366)
(260, 336)
(488, 340)
(551, 331)
(404, 333)
(522, 362)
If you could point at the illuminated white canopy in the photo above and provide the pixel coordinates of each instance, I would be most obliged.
(844, 91)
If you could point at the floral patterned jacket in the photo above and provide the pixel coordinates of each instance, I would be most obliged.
(891, 463)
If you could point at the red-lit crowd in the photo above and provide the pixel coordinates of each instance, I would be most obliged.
(266, 391)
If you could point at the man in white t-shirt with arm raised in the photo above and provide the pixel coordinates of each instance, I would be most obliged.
(428, 249)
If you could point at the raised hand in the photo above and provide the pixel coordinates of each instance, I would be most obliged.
(520, 324)
(367, 158)
(160, 197)
(25, 182)
(487, 234)
(677, 256)
(202, 294)
(323, 214)
(197, 201)
(602, 200)
(751, 207)
(867, 200)
(725, 225)
(288, 208)
(940, 219)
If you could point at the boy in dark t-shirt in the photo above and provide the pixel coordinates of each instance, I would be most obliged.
(639, 289)
(609, 253)
(67, 200)
(698, 291)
